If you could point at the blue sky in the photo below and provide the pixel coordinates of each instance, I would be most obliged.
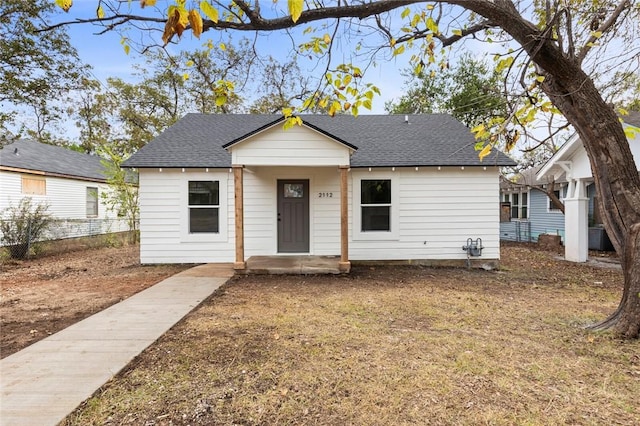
(106, 54)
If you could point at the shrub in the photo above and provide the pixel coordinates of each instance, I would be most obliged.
(23, 224)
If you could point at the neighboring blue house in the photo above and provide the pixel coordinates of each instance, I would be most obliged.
(527, 212)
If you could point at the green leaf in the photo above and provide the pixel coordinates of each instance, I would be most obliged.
(209, 11)
(295, 9)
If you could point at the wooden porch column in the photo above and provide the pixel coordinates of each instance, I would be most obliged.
(239, 217)
(344, 265)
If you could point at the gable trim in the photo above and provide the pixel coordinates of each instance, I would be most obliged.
(281, 119)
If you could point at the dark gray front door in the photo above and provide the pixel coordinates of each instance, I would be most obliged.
(293, 216)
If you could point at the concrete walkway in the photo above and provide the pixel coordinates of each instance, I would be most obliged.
(43, 383)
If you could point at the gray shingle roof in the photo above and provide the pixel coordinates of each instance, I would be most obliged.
(632, 118)
(31, 155)
(197, 140)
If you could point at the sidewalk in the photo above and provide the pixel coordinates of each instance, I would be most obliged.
(43, 383)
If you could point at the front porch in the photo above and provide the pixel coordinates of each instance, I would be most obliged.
(294, 265)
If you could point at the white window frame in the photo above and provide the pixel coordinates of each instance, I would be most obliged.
(223, 224)
(394, 220)
(97, 202)
(519, 205)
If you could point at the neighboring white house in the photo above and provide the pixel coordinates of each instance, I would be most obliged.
(223, 188)
(69, 182)
(572, 161)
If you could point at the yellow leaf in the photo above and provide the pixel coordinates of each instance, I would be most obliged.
(597, 34)
(209, 11)
(144, 3)
(485, 151)
(367, 104)
(540, 78)
(457, 32)
(189, 63)
(185, 76)
(479, 128)
(432, 25)
(126, 49)
(327, 39)
(65, 4)
(223, 47)
(295, 9)
(405, 13)
(195, 20)
(623, 111)
(221, 100)
(287, 112)
(100, 12)
(399, 50)
(430, 7)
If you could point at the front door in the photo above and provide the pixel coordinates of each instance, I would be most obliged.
(293, 216)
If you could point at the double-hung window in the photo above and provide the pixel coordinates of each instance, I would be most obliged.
(92, 201)
(375, 204)
(204, 207)
(519, 204)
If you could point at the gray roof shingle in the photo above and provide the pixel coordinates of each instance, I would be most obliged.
(197, 140)
(32, 155)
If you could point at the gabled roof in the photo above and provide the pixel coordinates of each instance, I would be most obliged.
(198, 140)
(528, 178)
(49, 159)
(574, 143)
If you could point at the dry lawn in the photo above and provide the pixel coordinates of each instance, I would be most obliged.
(390, 346)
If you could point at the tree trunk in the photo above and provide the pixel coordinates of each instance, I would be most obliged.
(614, 170)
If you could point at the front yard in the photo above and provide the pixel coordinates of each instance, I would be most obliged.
(390, 346)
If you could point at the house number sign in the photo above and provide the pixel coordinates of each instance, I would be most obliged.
(325, 194)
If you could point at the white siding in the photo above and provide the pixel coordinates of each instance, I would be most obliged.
(164, 237)
(438, 210)
(299, 145)
(260, 206)
(66, 197)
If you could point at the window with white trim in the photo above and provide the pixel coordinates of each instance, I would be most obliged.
(92, 201)
(375, 205)
(204, 207)
(519, 204)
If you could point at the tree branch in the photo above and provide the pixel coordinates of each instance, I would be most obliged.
(603, 28)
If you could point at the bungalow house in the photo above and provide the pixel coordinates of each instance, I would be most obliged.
(572, 161)
(224, 188)
(69, 182)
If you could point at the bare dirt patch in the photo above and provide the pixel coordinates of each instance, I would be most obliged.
(41, 296)
(390, 345)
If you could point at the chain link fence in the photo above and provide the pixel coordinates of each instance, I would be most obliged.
(63, 229)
